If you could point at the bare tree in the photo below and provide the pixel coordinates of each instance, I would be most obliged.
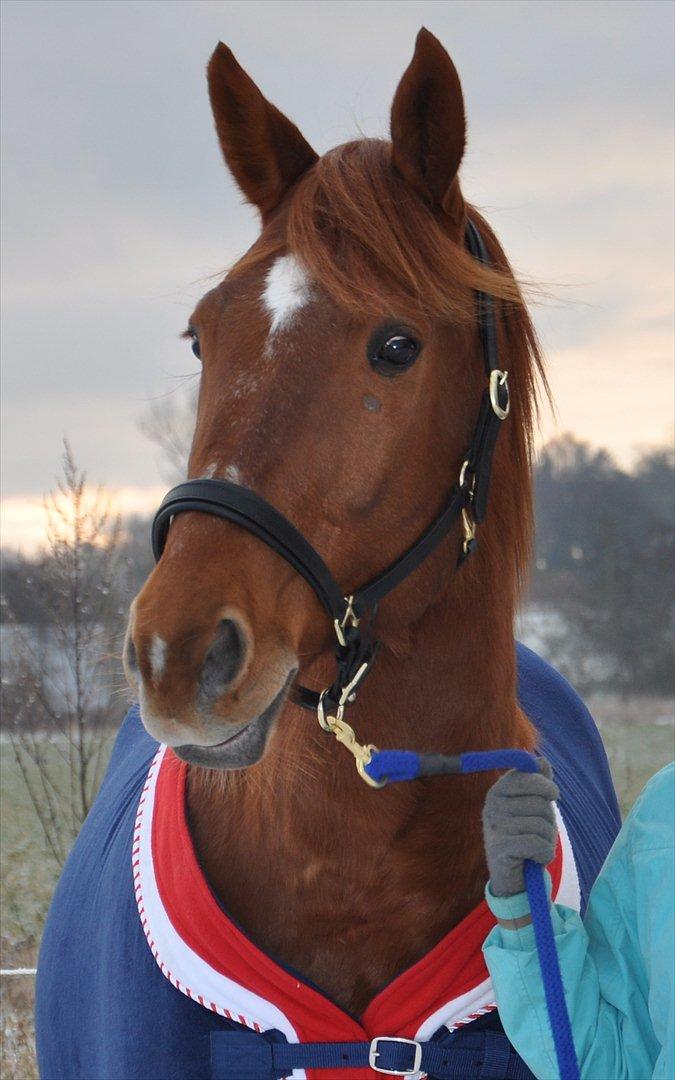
(169, 423)
(60, 675)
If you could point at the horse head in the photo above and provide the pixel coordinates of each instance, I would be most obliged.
(341, 380)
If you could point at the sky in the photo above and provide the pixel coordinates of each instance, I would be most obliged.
(117, 207)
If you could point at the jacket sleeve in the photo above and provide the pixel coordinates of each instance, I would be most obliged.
(616, 966)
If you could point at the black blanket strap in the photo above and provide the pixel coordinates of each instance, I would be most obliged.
(483, 1055)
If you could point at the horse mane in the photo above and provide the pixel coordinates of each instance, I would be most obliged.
(377, 249)
(374, 244)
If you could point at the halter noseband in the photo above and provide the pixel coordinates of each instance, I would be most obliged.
(353, 615)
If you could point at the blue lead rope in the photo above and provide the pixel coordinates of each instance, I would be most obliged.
(391, 765)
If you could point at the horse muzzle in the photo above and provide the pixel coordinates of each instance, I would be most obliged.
(199, 689)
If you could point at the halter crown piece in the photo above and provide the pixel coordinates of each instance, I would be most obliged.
(353, 615)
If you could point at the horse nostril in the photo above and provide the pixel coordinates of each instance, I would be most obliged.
(223, 662)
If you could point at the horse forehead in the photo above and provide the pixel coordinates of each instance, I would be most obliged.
(286, 291)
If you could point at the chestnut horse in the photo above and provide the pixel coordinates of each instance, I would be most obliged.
(298, 403)
(360, 246)
(341, 381)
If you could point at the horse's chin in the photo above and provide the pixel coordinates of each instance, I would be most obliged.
(245, 746)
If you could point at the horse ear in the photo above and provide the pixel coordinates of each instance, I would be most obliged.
(264, 151)
(428, 126)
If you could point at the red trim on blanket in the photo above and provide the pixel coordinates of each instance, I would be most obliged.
(452, 968)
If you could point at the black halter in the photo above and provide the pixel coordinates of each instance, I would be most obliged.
(353, 615)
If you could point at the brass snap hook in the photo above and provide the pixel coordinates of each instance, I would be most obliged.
(345, 734)
(349, 618)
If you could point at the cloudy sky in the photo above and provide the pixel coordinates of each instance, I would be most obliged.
(116, 205)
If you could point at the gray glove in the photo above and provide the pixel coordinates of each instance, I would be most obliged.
(518, 823)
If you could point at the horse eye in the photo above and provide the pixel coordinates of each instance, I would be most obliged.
(399, 350)
(392, 352)
(194, 342)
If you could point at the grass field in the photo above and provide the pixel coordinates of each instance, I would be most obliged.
(638, 734)
(639, 737)
(28, 874)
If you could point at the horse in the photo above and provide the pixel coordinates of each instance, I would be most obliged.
(237, 886)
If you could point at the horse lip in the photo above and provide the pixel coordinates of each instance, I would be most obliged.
(192, 747)
(216, 755)
(230, 738)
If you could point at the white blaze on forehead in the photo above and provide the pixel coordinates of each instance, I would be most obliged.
(286, 291)
(157, 656)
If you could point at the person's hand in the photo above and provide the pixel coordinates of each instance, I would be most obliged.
(519, 823)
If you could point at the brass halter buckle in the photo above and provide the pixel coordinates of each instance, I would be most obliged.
(462, 477)
(469, 527)
(499, 378)
(468, 523)
(348, 619)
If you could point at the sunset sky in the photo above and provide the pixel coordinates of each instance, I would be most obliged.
(117, 207)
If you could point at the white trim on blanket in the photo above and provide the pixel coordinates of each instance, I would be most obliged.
(181, 965)
(195, 978)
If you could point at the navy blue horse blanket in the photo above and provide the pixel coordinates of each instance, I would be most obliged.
(142, 972)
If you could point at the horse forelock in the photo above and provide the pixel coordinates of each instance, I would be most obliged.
(357, 231)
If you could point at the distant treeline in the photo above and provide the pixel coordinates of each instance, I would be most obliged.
(604, 561)
(603, 564)
(31, 591)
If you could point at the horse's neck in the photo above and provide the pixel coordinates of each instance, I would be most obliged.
(300, 835)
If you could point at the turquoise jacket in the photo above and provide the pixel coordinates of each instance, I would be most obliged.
(618, 965)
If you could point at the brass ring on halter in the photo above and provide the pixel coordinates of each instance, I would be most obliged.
(324, 721)
(499, 378)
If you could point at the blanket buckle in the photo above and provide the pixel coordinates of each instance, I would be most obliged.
(375, 1052)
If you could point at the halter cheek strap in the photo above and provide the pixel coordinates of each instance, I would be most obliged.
(353, 614)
